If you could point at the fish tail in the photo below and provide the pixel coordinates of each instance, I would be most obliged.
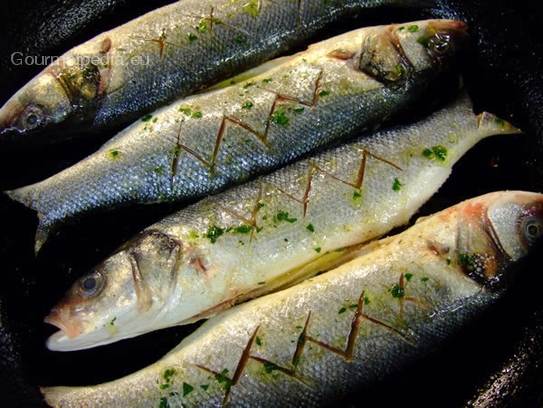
(42, 233)
(496, 125)
(24, 196)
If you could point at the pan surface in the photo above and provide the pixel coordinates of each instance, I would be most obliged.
(496, 362)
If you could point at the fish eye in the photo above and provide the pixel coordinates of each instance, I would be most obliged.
(32, 117)
(91, 284)
(440, 44)
(532, 229)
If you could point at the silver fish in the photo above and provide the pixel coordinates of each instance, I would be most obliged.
(167, 53)
(347, 328)
(269, 233)
(203, 143)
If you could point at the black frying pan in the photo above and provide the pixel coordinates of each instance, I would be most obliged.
(498, 361)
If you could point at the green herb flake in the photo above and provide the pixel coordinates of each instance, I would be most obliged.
(159, 169)
(448, 261)
(283, 216)
(439, 152)
(267, 80)
(397, 291)
(466, 260)
(299, 327)
(324, 93)
(286, 240)
(499, 121)
(240, 39)
(353, 306)
(397, 186)
(213, 233)
(243, 229)
(247, 105)
(342, 310)
(147, 118)
(193, 235)
(196, 115)
(318, 250)
(413, 28)
(310, 228)
(186, 111)
(401, 28)
(187, 389)
(299, 110)
(269, 367)
(204, 387)
(155, 120)
(164, 387)
(261, 283)
(408, 276)
(168, 374)
(176, 150)
(357, 195)
(112, 322)
(279, 118)
(223, 379)
(424, 279)
(367, 300)
(192, 37)
(248, 84)
(258, 341)
(422, 40)
(113, 154)
(163, 403)
(259, 206)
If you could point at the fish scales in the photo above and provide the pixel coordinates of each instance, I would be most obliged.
(165, 54)
(347, 328)
(201, 144)
(269, 233)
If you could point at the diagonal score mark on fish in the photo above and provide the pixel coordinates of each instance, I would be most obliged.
(257, 238)
(343, 330)
(204, 143)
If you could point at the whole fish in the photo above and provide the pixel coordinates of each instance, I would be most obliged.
(170, 52)
(267, 234)
(347, 328)
(203, 143)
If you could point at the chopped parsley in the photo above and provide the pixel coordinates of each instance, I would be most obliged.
(357, 195)
(413, 28)
(248, 84)
(258, 341)
(267, 80)
(186, 111)
(318, 250)
(213, 233)
(397, 186)
(408, 276)
(243, 229)
(223, 379)
(466, 260)
(397, 291)
(422, 40)
(196, 115)
(366, 300)
(283, 216)
(240, 39)
(437, 152)
(499, 121)
(279, 118)
(342, 310)
(187, 389)
(310, 228)
(324, 93)
(192, 37)
(269, 367)
(424, 279)
(247, 105)
(204, 387)
(113, 154)
(147, 118)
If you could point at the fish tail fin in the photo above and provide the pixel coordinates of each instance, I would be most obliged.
(42, 233)
(24, 196)
(494, 125)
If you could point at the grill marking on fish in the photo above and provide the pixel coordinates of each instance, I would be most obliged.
(260, 136)
(346, 352)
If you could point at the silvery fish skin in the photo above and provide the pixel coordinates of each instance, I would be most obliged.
(203, 143)
(165, 54)
(347, 328)
(267, 234)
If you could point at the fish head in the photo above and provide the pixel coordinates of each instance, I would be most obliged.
(66, 92)
(502, 228)
(95, 307)
(395, 54)
(122, 297)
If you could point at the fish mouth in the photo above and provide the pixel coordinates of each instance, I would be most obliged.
(57, 317)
